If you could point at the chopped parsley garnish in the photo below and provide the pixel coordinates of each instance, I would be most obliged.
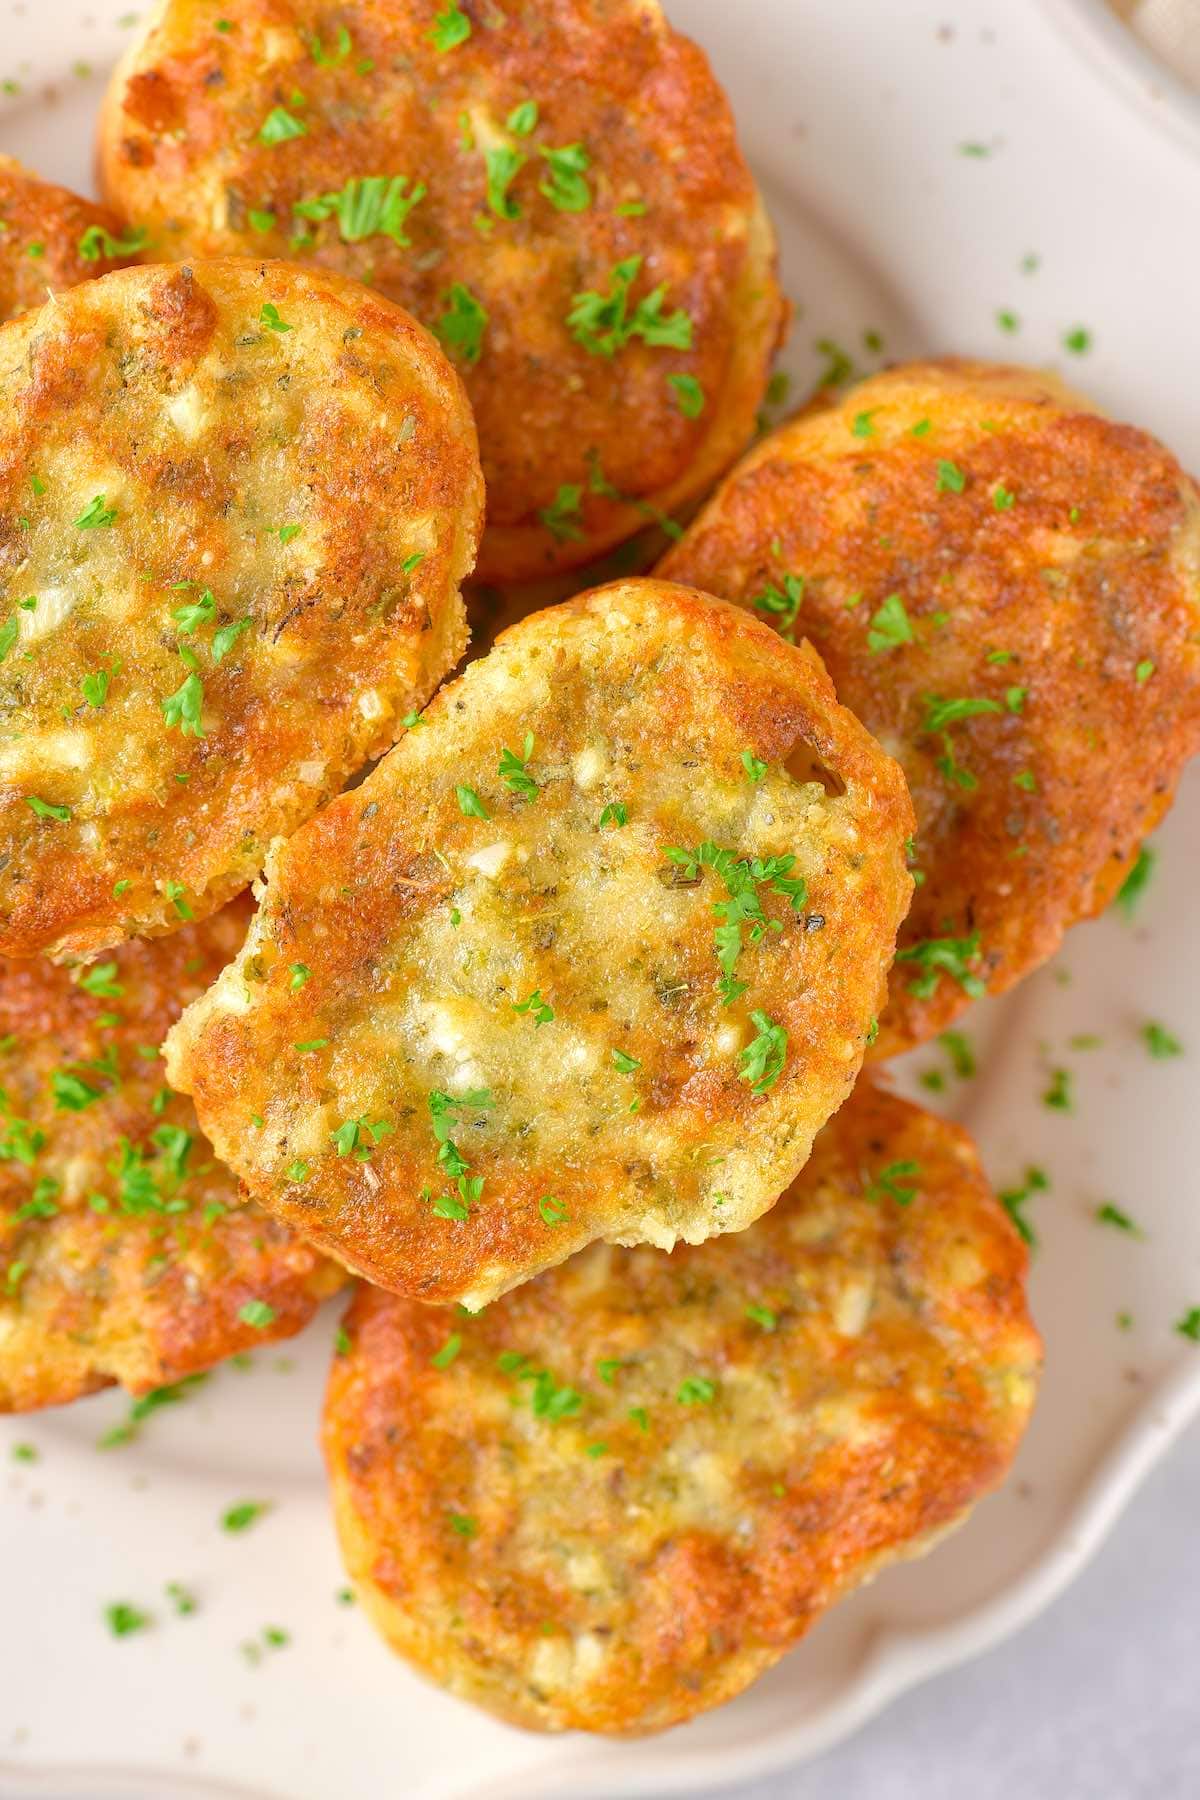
(261, 220)
(280, 125)
(762, 1315)
(96, 513)
(940, 713)
(950, 478)
(46, 809)
(462, 1525)
(123, 1619)
(195, 613)
(227, 636)
(755, 770)
(26, 1453)
(862, 426)
(1003, 499)
(1143, 672)
(461, 326)
(450, 28)
(564, 185)
(441, 1359)
(624, 1063)
(782, 603)
(1007, 321)
(958, 1048)
(1189, 1325)
(1078, 340)
(97, 243)
(351, 1137)
(1014, 1201)
(184, 706)
(945, 955)
(174, 891)
(603, 324)
(298, 1170)
(616, 813)
(469, 803)
(1108, 1214)
(94, 687)
(763, 1058)
(1159, 1041)
(563, 517)
(331, 59)
(367, 206)
(552, 1210)
(503, 166)
(300, 973)
(696, 1390)
(1135, 883)
(892, 1183)
(688, 393)
(890, 626)
(257, 1313)
(539, 1010)
(1058, 1096)
(269, 316)
(71, 1092)
(244, 1514)
(523, 118)
(9, 632)
(513, 771)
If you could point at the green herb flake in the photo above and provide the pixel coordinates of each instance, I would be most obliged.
(1078, 340)
(762, 1060)
(1159, 1041)
(950, 478)
(1108, 1214)
(366, 206)
(624, 1063)
(257, 1313)
(1015, 1200)
(123, 1619)
(470, 805)
(269, 316)
(97, 514)
(564, 186)
(688, 393)
(47, 809)
(244, 1514)
(563, 518)
(462, 324)
(696, 1390)
(97, 244)
(890, 627)
(185, 706)
(513, 771)
(450, 28)
(503, 165)
(616, 814)
(538, 1009)
(603, 324)
(1144, 671)
(441, 1359)
(463, 1525)
(957, 1046)
(1133, 887)
(762, 1315)
(280, 125)
(523, 118)
(891, 1183)
(755, 770)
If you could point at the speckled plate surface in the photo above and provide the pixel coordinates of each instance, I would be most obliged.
(856, 116)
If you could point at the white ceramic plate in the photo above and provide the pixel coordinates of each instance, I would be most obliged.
(855, 114)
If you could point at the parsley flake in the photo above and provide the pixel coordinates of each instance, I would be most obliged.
(469, 803)
(565, 187)
(536, 1007)
(602, 323)
(755, 770)
(96, 514)
(280, 125)
(184, 706)
(450, 28)
(1160, 1042)
(890, 627)
(461, 326)
(97, 243)
(503, 166)
(616, 813)
(688, 394)
(763, 1058)
(46, 809)
(257, 1313)
(269, 316)
(563, 518)
(696, 1390)
(950, 478)
(245, 1513)
(513, 771)
(367, 206)
(441, 1359)
(1135, 883)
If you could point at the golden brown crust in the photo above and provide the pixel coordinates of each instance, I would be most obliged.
(536, 1519)
(442, 911)
(236, 504)
(50, 239)
(1048, 564)
(182, 152)
(127, 1253)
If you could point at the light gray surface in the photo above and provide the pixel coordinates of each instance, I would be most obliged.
(1099, 1699)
